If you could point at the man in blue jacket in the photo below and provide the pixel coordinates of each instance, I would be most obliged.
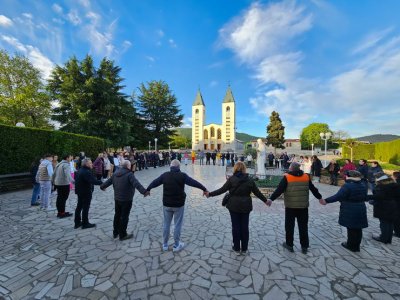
(174, 197)
(124, 183)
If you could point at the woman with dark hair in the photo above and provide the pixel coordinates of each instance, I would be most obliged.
(36, 185)
(386, 198)
(316, 167)
(348, 166)
(363, 169)
(333, 170)
(240, 186)
(375, 168)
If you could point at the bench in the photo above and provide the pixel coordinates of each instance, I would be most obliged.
(15, 182)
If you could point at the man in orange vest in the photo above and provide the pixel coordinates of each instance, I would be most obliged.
(295, 185)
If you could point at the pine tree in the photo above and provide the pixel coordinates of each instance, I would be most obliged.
(275, 131)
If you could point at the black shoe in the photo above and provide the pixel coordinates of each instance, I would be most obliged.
(344, 244)
(88, 225)
(77, 225)
(64, 215)
(115, 235)
(378, 239)
(396, 235)
(286, 246)
(126, 237)
(35, 204)
(304, 250)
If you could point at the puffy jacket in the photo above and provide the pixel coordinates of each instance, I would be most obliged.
(124, 183)
(386, 201)
(372, 171)
(295, 186)
(84, 182)
(241, 186)
(363, 169)
(62, 174)
(352, 196)
(174, 186)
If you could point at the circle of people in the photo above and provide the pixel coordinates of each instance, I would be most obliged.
(295, 186)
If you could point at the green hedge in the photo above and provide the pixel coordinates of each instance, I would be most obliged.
(19, 146)
(384, 152)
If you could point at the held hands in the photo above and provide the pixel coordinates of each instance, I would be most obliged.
(206, 193)
(322, 201)
(147, 193)
(269, 202)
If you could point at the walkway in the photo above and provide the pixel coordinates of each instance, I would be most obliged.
(42, 257)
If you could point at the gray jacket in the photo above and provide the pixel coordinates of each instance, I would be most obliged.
(62, 174)
(124, 183)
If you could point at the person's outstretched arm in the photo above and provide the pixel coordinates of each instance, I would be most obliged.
(256, 191)
(194, 183)
(155, 183)
(343, 193)
(314, 190)
(280, 189)
(221, 190)
(107, 183)
(136, 184)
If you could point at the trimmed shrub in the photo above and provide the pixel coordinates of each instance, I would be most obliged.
(362, 151)
(20, 146)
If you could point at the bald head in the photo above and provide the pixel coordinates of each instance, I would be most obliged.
(126, 164)
(294, 167)
(175, 163)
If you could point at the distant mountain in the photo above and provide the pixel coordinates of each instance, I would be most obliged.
(244, 137)
(378, 138)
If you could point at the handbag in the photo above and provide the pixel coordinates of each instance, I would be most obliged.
(227, 195)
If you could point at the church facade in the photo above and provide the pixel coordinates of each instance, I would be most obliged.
(221, 137)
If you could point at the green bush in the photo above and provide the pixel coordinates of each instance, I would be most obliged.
(388, 152)
(362, 151)
(19, 146)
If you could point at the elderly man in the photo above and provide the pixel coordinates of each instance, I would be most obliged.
(43, 176)
(124, 183)
(84, 188)
(296, 186)
(174, 201)
(62, 179)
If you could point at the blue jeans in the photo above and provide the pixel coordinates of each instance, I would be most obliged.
(177, 214)
(35, 193)
(45, 192)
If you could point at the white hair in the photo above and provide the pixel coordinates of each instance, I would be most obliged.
(85, 161)
(294, 166)
(175, 163)
(126, 164)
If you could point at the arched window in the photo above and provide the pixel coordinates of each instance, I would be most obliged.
(196, 112)
(205, 134)
(219, 134)
(212, 134)
(228, 109)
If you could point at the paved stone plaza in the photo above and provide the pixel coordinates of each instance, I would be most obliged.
(42, 257)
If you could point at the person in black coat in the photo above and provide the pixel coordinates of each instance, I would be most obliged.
(240, 186)
(316, 166)
(353, 212)
(84, 182)
(124, 184)
(386, 199)
(333, 170)
(363, 169)
(208, 157)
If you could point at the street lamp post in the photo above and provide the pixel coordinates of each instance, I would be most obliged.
(312, 149)
(155, 144)
(169, 146)
(325, 136)
(149, 145)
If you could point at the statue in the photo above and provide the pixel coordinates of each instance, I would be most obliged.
(261, 156)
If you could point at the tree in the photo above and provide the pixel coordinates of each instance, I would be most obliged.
(310, 135)
(158, 108)
(275, 131)
(22, 94)
(91, 102)
(181, 141)
(340, 136)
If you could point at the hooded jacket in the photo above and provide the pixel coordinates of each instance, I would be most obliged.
(124, 183)
(386, 198)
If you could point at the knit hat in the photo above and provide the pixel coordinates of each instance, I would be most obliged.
(380, 176)
(354, 174)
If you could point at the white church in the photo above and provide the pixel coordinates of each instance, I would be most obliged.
(221, 137)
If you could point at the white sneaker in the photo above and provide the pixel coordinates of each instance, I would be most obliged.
(165, 247)
(179, 247)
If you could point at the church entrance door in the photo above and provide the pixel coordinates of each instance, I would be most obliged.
(212, 147)
(219, 147)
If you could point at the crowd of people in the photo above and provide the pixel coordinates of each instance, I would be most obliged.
(117, 169)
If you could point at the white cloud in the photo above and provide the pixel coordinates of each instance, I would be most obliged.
(73, 17)
(5, 22)
(37, 58)
(57, 8)
(371, 40)
(28, 15)
(172, 43)
(264, 29)
(85, 3)
(186, 123)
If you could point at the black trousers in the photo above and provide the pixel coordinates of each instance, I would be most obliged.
(354, 237)
(386, 231)
(121, 217)
(301, 214)
(82, 207)
(396, 227)
(240, 230)
(62, 196)
(271, 163)
(333, 178)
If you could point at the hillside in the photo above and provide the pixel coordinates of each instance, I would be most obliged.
(378, 138)
(244, 137)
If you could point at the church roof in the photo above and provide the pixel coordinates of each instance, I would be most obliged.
(199, 99)
(229, 96)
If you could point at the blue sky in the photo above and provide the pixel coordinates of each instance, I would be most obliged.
(336, 62)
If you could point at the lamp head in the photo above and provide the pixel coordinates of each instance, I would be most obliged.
(328, 134)
(322, 135)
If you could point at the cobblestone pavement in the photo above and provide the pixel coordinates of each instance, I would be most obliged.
(42, 257)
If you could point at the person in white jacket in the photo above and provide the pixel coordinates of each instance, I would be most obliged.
(307, 165)
(62, 179)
